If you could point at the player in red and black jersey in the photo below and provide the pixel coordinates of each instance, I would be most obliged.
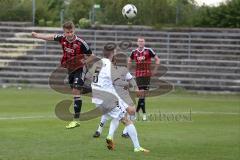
(74, 51)
(143, 58)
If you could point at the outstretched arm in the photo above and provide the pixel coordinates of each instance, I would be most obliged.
(47, 37)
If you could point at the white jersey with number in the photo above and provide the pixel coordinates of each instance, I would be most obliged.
(102, 79)
(105, 75)
(102, 75)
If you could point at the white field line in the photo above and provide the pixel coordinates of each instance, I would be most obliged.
(201, 112)
(53, 117)
(26, 117)
(224, 113)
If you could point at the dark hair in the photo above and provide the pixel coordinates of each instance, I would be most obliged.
(68, 25)
(108, 49)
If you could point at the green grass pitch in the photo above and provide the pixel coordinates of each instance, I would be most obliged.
(189, 127)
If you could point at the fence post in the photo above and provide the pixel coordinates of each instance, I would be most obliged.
(115, 36)
(95, 39)
(189, 45)
(168, 47)
(45, 47)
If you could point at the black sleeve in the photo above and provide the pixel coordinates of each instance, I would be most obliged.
(85, 48)
(58, 37)
(152, 53)
(132, 55)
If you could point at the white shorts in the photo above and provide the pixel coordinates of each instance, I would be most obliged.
(124, 99)
(115, 113)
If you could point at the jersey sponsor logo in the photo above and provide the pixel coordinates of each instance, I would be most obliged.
(141, 58)
(68, 50)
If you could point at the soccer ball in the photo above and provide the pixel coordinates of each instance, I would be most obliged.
(129, 11)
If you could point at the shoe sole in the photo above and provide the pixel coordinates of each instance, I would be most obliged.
(73, 127)
(110, 144)
(145, 151)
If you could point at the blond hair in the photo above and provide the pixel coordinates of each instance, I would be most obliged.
(68, 25)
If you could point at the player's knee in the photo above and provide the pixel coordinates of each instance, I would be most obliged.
(126, 121)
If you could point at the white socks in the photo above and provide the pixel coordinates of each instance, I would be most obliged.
(132, 132)
(102, 122)
(113, 126)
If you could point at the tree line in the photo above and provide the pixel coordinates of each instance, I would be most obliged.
(158, 13)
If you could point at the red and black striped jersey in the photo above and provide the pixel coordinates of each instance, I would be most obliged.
(143, 61)
(73, 51)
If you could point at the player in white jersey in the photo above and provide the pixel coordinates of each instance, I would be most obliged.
(102, 88)
(121, 80)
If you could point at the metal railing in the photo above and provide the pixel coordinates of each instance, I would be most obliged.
(163, 40)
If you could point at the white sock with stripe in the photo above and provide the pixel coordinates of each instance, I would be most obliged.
(133, 135)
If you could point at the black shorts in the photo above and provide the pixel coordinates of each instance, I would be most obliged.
(76, 78)
(143, 83)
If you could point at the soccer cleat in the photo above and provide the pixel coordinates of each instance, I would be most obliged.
(140, 149)
(73, 124)
(96, 134)
(125, 135)
(110, 144)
